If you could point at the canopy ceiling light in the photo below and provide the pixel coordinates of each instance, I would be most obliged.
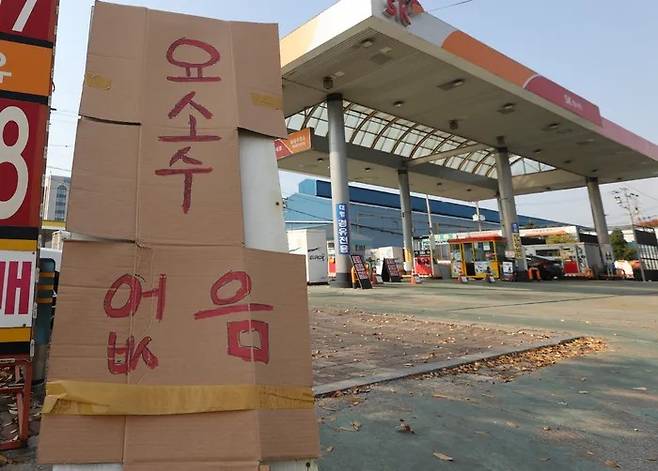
(452, 84)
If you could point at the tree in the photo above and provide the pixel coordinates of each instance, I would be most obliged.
(620, 247)
(561, 239)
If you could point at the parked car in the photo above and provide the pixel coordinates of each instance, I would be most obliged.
(548, 269)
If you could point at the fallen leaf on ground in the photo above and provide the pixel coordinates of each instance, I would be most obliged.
(344, 429)
(440, 396)
(443, 457)
(611, 464)
(405, 427)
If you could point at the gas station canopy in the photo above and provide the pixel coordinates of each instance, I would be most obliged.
(420, 94)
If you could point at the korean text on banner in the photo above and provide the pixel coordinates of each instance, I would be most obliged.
(343, 231)
(17, 278)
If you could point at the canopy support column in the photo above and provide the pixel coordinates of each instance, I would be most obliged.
(407, 226)
(600, 224)
(340, 198)
(508, 206)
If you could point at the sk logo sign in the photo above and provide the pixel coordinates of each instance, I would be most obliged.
(403, 10)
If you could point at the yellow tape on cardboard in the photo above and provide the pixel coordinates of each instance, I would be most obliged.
(267, 101)
(88, 398)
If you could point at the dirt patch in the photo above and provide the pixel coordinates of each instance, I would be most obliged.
(353, 343)
(501, 369)
(507, 367)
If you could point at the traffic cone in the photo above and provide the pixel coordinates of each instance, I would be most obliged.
(373, 276)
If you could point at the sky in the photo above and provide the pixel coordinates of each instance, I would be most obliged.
(603, 50)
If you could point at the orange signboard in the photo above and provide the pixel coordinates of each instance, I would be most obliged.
(297, 142)
(25, 68)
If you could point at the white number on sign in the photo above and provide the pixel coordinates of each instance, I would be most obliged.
(12, 154)
(24, 15)
(3, 74)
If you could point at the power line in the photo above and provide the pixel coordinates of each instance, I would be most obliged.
(644, 194)
(629, 201)
(455, 4)
(58, 168)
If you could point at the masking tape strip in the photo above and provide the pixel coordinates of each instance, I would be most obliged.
(87, 398)
(267, 101)
(97, 81)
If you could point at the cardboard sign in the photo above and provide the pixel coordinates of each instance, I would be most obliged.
(17, 278)
(164, 67)
(173, 346)
(22, 141)
(180, 316)
(190, 85)
(390, 270)
(30, 19)
(197, 203)
(361, 272)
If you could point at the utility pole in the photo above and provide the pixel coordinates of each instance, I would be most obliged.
(431, 232)
(629, 201)
(478, 216)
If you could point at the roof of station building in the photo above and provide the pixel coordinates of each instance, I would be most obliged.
(430, 97)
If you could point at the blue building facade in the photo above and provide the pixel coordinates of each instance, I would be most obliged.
(375, 217)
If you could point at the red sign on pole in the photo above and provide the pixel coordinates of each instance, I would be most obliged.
(16, 288)
(22, 141)
(33, 19)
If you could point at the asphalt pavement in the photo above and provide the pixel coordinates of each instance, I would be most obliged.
(599, 411)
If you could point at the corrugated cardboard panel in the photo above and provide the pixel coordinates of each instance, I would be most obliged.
(137, 72)
(81, 440)
(226, 436)
(192, 466)
(204, 210)
(126, 187)
(189, 330)
(114, 72)
(189, 298)
(260, 99)
(103, 193)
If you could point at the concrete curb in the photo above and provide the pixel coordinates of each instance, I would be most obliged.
(329, 388)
